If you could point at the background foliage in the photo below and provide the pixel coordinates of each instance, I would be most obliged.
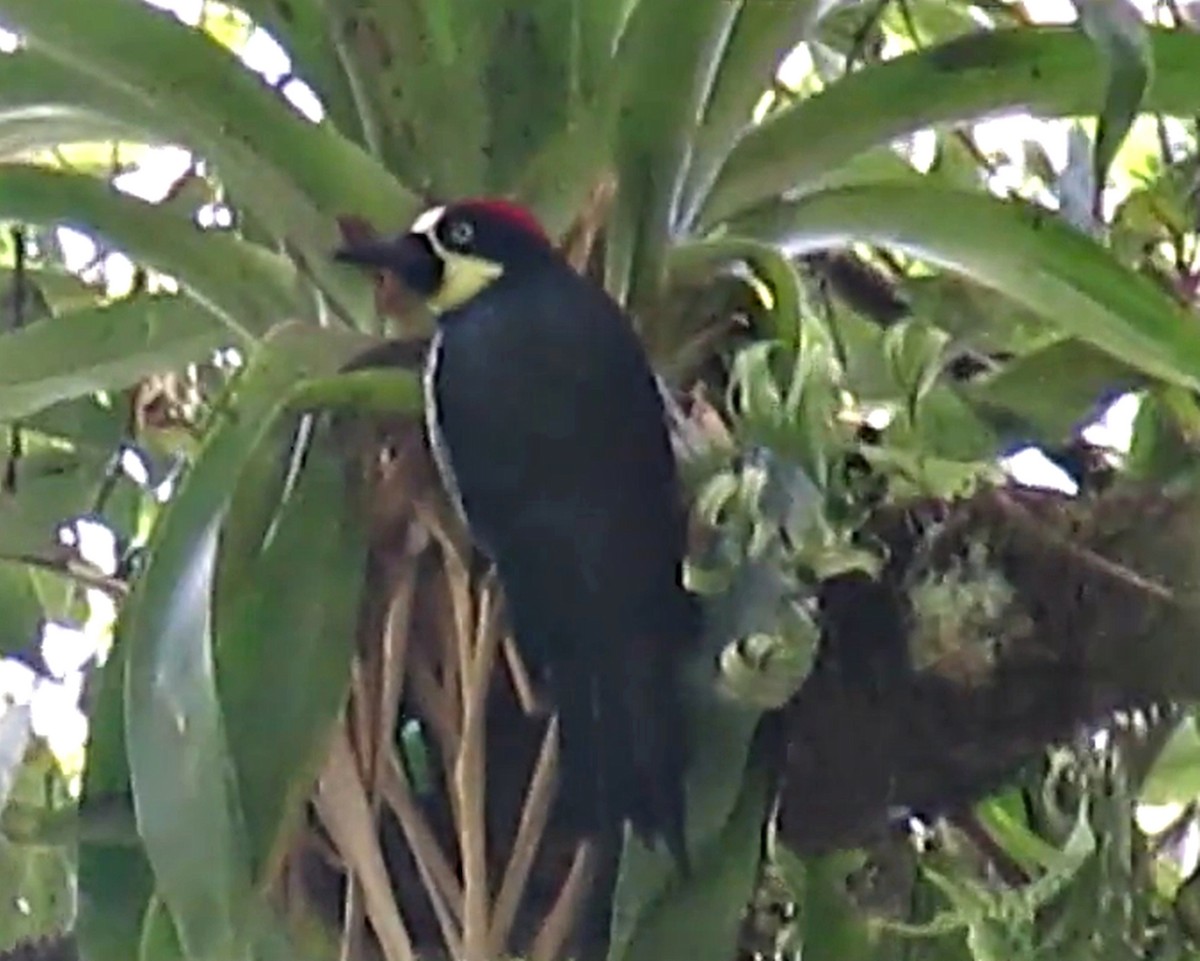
(926, 725)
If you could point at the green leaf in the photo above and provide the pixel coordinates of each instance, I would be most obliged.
(1008, 829)
(418, 65)
(380, 390)
(53, 485)
(246, 286)
(834, 927)
(36, 888)
(1055, 389)
(172, 69)
(104, 348)
(667, 62)
(975, 317)
(761, 36)
(1161, 448)
(1123, 42)
(179, 763)
(700, 918)
(61, 290)
(557, 179)
(1019, 250)
(527, 78)
(115, 880)
(1175, 776)
(147, 68)
(1046, 71)
(23, 131)
(283, 644)
(20, 610)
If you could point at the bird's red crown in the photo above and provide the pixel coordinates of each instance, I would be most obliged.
(506, 210)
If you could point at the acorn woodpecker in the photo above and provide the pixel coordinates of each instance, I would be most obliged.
(550, 434)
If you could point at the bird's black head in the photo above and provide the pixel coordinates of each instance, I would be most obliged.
(452, 253)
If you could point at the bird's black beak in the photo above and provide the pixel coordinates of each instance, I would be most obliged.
(410, 257)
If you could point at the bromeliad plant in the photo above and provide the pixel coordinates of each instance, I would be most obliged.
(656, 140)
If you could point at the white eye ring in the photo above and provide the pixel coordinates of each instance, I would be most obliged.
(461, 233)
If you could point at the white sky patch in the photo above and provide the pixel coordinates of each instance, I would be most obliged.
(795, 67)
(156, 173)
(1051, 11)
(65, 649)
(134, 466)
(55, 714)
(1034, 469)
(17, 682)
(1114, 429)
(304, 98)
(96, 544)
(78, 249)
(263, 54)
(119, 273)
(189, 11)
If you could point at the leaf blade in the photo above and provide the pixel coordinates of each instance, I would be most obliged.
(185, 799)
(1045, 71)
(1019, 250)
(103, 348)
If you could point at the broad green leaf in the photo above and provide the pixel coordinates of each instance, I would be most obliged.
(1054, 389)
(833, 927)
(24, 131)
(53, 485)
(699, 918)
(1046, 71)
(151, 57)
(105, 348)
(1175, 776)
(95, 423)
(1161, 450)
(667, 64)
(20, 609)
(293, 176)
(284, 638)
(35, 892)
(115, 880)
(39, 89)
(61, 290)
(1007, 828)
(245, 286)
(527, 76)
(556, 181)
(177, 755)
(974, 316)
(179, 762)
(418, 65)
(1019, 250)
(761, 36)
(159, 940)
(379, 390)
(1121, 38)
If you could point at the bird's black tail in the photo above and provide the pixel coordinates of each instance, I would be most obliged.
(624, 747)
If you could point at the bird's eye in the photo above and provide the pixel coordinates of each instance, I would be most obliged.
(460, 233)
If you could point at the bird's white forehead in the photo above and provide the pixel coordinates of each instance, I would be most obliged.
(427, 220)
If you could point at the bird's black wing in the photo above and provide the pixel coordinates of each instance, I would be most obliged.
(555, 432)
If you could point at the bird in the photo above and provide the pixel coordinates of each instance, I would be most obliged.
(549, 429)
